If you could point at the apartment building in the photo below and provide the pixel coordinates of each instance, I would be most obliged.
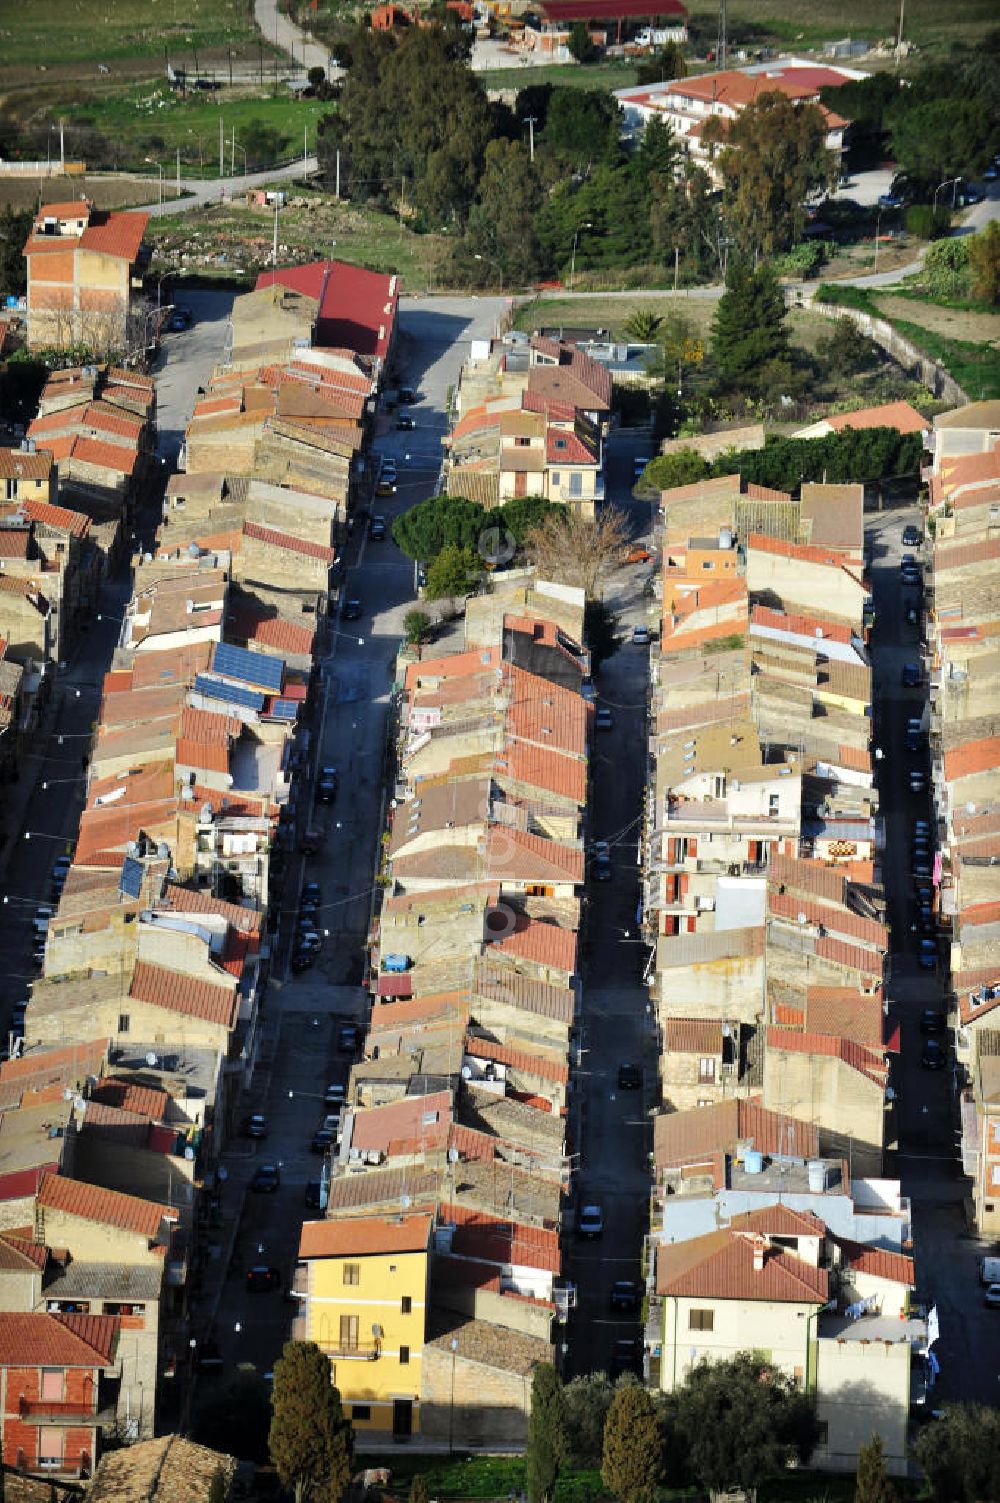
(85, 267)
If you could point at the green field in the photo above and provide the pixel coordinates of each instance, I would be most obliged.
(808, 23)
(156, 121)
(310, 227)
(613, 75)
(45, 36)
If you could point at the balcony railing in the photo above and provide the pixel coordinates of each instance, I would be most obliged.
(66, 1412)
(360, 1351)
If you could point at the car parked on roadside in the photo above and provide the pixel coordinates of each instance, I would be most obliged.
(991, 1299)
(927, 956)
(266, 1179)
(624, 1297)
(377, 529)
(351, 609)
(334, 1094)
(641, 636)
(590, 1222)
(255, 1125)
(932, 1020)
(603, 719)
(911, 536)
(349, 1038)
(910, 676)
(629, 1078)
(326, 785)
(323, 1140)
(933, 1056)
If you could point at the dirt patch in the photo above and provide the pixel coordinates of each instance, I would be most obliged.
(105, 192)
(950, 323)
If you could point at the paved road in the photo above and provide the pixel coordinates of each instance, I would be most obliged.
(280, 29)
(927, 1160)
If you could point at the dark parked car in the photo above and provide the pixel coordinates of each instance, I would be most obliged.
(932, 1020)
(334, 1095)
(910, 676)
(266, 1179)
(377, 529)
(918, 782)
(405, 423)
(629, 1077)
(602, 869)
(590, 1221)
(349, 1038)
(351, 609)
(209, 1358)
(255, 1125)
(928, 956)
(316, 1195)
(911, 536)
(933, 1056)
(625, 1297)
(326, 786)
(626, 1357)
(603, 718)
(323, 1140)
(180, 319)
(311, 893)
(262, 1279)
(302, 960)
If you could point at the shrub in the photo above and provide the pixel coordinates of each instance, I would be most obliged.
(945, 272)
(926, 222)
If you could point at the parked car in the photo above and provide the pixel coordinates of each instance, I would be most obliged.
(640, 636)
(181, 318)
(377, 529)
(386, 485)
(266, 1179)
(932, 1020)
(349, 1038)
(911, 536)
(918, 782)
(590, 1222)
(407, 396)
(587, 689)
(311, 893)
(334, 1094)
(405, 424)
(927, 957)
(209, 1358)
(603, 719)
(302, 960)
(639, 464)
(323, 1140)
(625, 1297)
(629, 1078)
(255, 1125)
(351, 609)
(262, 1279)
(326, 785)
(638, 553)
(602, 869)
(910, 676)
(316, 1195)
(933, 1056)
(991, 1299)
(626, 1357)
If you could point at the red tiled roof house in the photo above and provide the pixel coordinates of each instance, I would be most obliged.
(57, 1390)
(83, 266)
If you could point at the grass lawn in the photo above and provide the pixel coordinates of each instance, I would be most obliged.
(806, 23)
(154, 121)
(307, 229)
(39, 36)
(613, 75)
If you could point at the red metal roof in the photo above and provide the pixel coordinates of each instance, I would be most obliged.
(560, 11)
(357, 307)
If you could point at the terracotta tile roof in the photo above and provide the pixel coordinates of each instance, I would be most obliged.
(898, 415)
(799, 625)
(69, 1062)
(14, 542)
(283, 636)
(694, 1136)
(126, 1213)
(545, 944)
(74, 522)
(365, 1236)
(409, 1118)
(15, 464)
(518, 1059)
(836, 920)
(502, 985)
(118, 234)
(494, 1239)
(574, 377)
(779, 1221)
(72, 208)
(426, 1009)
(21, 1255)
(972, 758)
(844, 1012)
(567, 448)
(202, 756)
(546, 768)
(721, 1266)
(962, 554)
(284, 540)
(166, 1470)
(878, 1262)
(192, 900)
(105, 830)
(870, 1063)
(43, 1340)
(188, 995)
(128, 1096)
(104, 455)
(171, 665)
(805, 553)
(692, 1036)
(512, 855)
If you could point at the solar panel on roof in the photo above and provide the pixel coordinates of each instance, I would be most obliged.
(130, 881)
(251, 667)
(283, 709)
(232, 694)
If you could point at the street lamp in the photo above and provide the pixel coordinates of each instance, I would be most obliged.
(587, 225)
(159, 168)
(878, 226)
(949, 182)
(451, 1411)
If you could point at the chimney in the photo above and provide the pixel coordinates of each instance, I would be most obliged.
(760, 1248)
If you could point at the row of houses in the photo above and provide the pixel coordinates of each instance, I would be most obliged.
(962, 667)
(434, 1281)
(774, 1224)
(142, 1031)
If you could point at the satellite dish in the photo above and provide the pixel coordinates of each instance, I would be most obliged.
(802, 918)
(151, 1059)
(453, 1155)
(466, 1072)
(405, 1202)
(189, 1153)
(79, 1104)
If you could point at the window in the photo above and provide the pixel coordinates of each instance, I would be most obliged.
(822, 1432)
(521, 443)
(706, 563)
(352, 1273)
(555, 477)
(404, 1355)
(123, 1022)
(53, 1384)
(576, 484)
(705, 1101)
(406, 1305)
(348, 1333)
(706, 1071)
(112, 1307)
(772, 803)
(559, 443)
(701, 1320)
(361, 1411)
(50, 1446)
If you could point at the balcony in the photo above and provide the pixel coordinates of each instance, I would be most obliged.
(66, 1412)
(360, 1351)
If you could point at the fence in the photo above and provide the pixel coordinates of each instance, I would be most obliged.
(906, 354)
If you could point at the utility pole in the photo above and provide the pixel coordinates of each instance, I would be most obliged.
(721, 45)
(899, 37)
(338, 172)
(232, 155)
(305, 150)
(222, 150)
(230, 67)
(62, 146)
(531, 122)
(274, 249)
(178, 172)
(677, 266)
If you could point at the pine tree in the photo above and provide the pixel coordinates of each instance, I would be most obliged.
(632, 1456)
(310, 1440)
(749, 339)
(546, 1432)
(872, 1483)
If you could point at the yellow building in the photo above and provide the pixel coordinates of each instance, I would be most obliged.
(364, 1282)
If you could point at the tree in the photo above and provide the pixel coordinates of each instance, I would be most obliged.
(587, 1399)
(15, 227)
(245, 1394)
(432, 524)
(846, 350)
(262, 143)
(582, 127)
(581, 48)
(310, 1441)
(749, 340)
(546, 1433)
(682, 467)
(453, 573)
(667, 63)
(984, 264)
(935, 137)
(774, 156)
(642, 325)
(572, 550)
(631, 1458)
(416, 625)
(418, 1489)
(872, 1483)
(960, 1454)
(856, 454)
(501, 227)
(740, 1420)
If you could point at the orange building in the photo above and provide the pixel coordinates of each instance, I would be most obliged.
(83, 267)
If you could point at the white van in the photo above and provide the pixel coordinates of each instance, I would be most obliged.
(989, 1270)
